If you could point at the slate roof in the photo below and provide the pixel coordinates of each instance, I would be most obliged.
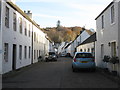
(91, 39)
(104, 10)
(23, 14)
(26, 16)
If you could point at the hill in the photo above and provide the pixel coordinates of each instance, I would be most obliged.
(62, 34)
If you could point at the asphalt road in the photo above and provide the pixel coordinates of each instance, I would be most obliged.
(56, 75)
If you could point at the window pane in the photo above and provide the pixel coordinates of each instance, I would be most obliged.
(84, 55)
(102, 21)
(29, 52)
(112, 14)
(20, 52)
(25, 50)
(20, 24)
(6, 52)
(14, 21)
(25, 27)
(7, 17)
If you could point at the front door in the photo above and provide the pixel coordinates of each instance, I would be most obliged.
(113, 49)
(14, 57)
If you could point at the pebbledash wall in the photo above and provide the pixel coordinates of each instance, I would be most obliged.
(107, 34)
(20, 48)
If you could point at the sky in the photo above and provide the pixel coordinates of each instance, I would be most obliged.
(70, 12)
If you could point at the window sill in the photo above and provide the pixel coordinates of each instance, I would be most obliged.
(112, 23)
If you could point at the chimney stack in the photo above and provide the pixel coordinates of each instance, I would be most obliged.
(29, 13)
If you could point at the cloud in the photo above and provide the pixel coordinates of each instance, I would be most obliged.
(47, 16)
(47, 1)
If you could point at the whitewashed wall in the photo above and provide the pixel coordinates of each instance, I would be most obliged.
(68, 49)
(40, 44)
(84, 36)
(51, 47)
(0, 39)
(60, 47)
(106, 35)
(14, 37)
(86, 47)
(72, 49)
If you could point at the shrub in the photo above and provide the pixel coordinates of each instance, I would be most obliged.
(106, 58)
(114, 60)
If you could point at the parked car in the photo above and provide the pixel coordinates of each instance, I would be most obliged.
(63, 55)
(83, 60)
(51, 57)
(68, 55)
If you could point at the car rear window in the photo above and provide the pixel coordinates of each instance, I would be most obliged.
(84, 55)
(51, 53)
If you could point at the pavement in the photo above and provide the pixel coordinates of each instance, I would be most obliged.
(109, 75)
(18, 71)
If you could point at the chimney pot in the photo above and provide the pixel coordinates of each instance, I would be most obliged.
(28, 11)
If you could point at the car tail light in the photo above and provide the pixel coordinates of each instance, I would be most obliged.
(74, 59)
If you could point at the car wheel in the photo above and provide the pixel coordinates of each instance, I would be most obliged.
(46, 60)
(73, 70)
(93, 69)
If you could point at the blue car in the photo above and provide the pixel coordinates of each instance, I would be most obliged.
(83, 60)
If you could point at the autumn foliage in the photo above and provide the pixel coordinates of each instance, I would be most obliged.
(61, 34)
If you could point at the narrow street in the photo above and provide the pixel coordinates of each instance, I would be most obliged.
(56, 75)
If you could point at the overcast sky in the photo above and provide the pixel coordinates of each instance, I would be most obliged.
(70, 12)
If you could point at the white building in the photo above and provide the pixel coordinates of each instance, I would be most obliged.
(60, 48)
(51, 46)
(79, 39)
(22, 39)
(40, 44)
(108, 35)
(68, 48)
(88, 45)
